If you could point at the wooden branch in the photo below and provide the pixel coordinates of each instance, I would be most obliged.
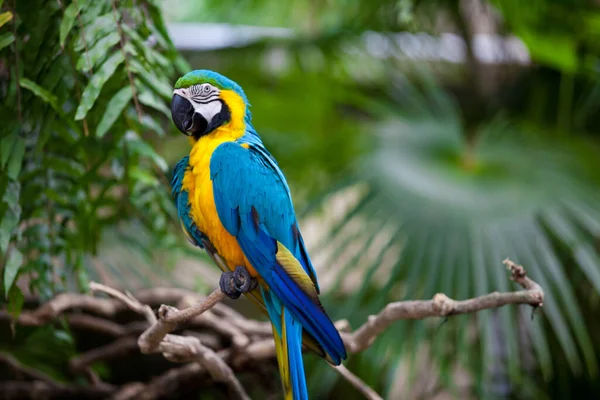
(68, 301)
(173, 315)
(127, 299)
(250, 340)
(43, 386)
(355, 381)
(156, 339)
(96, 324)
(42, 390)
(121, 347)
(443, 306)
(163, 385)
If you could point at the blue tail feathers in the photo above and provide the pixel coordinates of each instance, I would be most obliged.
(294, 346)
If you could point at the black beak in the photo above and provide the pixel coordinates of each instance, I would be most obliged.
(184, 117)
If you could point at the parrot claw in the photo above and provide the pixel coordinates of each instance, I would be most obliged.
(243, 281)
(233, 284)
(227, 284)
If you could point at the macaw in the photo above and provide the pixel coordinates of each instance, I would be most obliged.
(234, 202)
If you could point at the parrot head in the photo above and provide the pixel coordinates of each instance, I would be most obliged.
(204, 100)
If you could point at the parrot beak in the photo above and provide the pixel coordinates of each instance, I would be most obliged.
(185, 118)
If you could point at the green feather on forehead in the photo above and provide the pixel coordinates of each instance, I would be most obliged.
(200, 76)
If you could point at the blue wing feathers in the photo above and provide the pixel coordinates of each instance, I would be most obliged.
(311, 315)
(178, 172)
(181, 197)
(254, 204)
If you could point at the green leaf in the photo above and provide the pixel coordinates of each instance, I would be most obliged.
(142, 148)
(5, 17)
(11, 269)
(150, 123)
(91, 58)
(99, 28)
(143, 176)
(92, 90)
(555, 50)
(68, 165)
(16, 159)
(42, 93)
(50, 99)
(12, 214)
(6, 145)
(114, 108)
(67, 22)
(15, 301)
(6, 40)
(159, 85)
(149, 99)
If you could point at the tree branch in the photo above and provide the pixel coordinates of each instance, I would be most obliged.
(156, 339)
(119, 348)
(355, 381)
(443, 306)
(250, 340)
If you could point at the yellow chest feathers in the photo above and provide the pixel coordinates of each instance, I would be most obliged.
(201, 197)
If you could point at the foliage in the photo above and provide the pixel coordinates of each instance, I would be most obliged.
(313, 18)
(458, 208)
(451, 183)
(84, 87)
(440, 182)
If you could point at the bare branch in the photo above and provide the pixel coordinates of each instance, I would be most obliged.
(171, 314)
(45, 390)
(443, 306)
(163, 385)
(119, 348)
(43, 386)
(357, 382)
(128, 299)
(96, 324)
(156, 339)
(68, 301)
(251, 340)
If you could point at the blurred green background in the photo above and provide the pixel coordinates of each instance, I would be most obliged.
(424, 142)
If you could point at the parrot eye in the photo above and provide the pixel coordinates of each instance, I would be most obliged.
(204, 92)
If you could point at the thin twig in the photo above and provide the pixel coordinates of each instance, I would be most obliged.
(355, 381)
(127, 298)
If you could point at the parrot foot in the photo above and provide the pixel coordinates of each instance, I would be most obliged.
(243, 281)
(233, 284)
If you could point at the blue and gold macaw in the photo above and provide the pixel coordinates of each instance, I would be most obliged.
(234, 202)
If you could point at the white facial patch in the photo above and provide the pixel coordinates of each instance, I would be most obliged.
(209, 110)
(204, 98)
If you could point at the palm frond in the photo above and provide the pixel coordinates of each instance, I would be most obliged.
(458, 208)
